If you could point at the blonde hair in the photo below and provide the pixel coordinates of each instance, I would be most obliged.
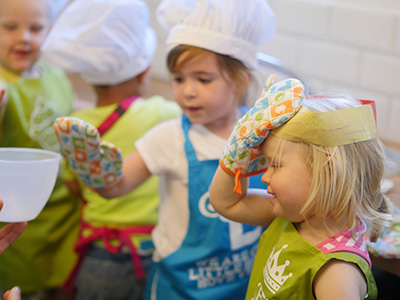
(346, 180)
(234, 68)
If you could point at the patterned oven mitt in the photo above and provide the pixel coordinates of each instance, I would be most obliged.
(97, 163)
(242, 155)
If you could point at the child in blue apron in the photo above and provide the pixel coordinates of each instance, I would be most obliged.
(212, 49)
(323, 165)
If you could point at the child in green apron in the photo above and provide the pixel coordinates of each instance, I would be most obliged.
(114, 245)
(36, 94)
(323, 165)
(212, 49)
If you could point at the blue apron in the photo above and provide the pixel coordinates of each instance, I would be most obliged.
(216, 256)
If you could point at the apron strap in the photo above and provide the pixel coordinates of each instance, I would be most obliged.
(189, 149)
(116, 114)
(123, 235)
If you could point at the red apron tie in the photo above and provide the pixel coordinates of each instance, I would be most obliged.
(123, 235)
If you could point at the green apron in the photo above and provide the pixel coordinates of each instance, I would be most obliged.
(285, 265)
(42, 257)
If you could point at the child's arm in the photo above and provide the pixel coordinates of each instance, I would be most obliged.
(134, 173)
(252, 206)
(340, 280)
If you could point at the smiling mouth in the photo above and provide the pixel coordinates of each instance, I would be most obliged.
(273, 198)
(21, 53)
(193, 109)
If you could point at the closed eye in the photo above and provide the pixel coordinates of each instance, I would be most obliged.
(178, 79)
(205, 80)
(37, 28)
(9, 27)
(275, 166)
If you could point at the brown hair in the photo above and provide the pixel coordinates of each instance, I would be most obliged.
(234, 68)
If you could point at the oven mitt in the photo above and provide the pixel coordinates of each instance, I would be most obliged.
(242, 155)
(97, 163)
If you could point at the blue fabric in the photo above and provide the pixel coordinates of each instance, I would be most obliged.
(216, 256)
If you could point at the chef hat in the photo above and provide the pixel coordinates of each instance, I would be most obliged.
(55, 7)
(106, 41)
(229, 27)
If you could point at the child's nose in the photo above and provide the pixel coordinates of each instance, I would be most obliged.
(25, 35)
(266, 177)
(190, 90)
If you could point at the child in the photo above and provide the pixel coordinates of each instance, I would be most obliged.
(115, 245)
(324, 172)
(36, 94)
(198, 254)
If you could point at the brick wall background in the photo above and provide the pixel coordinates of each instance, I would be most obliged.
(349, 46)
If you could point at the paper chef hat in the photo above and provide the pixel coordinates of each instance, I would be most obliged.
(229, 27)
(106, 41)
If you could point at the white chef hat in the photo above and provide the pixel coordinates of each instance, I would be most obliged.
(106, 41)
(229, 27)
(55, 7)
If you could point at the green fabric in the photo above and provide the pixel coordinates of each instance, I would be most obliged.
(42, 257)
(285, 265)
(139, 207)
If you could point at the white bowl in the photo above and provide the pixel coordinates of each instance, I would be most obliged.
(27, 178)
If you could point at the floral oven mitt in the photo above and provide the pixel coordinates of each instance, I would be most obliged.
(242, 155)
(97, 163)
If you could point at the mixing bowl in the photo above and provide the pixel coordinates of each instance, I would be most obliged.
(27, 178)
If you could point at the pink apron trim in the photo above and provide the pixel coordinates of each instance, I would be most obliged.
(347, 241)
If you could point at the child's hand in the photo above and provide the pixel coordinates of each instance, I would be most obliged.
(278, 103)
(97, 163)
(13, 294)
(10, 232)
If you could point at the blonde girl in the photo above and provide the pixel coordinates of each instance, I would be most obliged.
(322, 169)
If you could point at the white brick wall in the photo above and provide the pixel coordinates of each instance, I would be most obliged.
(362, 28)
(350, 46)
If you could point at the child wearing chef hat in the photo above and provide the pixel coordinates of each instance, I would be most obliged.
(111, 44)
(212, 46)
